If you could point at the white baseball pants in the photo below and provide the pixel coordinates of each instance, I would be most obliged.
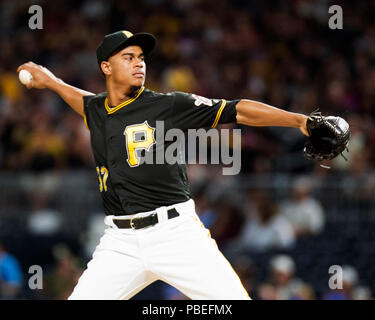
(178, 251)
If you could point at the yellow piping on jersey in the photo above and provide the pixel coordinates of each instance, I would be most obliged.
(85, 120)
(118, 107)
(219, 113)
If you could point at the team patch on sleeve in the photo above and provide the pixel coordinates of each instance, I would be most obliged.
(202, 100)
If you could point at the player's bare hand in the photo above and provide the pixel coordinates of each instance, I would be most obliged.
(42, 77)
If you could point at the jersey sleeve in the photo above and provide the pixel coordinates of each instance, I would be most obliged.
(190, 111)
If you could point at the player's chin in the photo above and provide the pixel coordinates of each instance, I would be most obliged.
(138, 82)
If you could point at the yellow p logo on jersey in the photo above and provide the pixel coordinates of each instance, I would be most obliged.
(138, 137)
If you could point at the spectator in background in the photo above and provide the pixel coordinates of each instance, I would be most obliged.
(267, 291)
(76, 139)
(60, 282)
(350, 289)
(246, 271)
(10, 276)
(93, 233)
(229, 219)
(43, 218)
(179, 78)
(362, 293)
(43, 148)
(282, 284)
(203, 203)
(304, 213)
(265, 228)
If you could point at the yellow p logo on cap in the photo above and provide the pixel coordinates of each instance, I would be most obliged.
(128, 34)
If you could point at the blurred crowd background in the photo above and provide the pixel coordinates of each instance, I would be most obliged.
(282, 222)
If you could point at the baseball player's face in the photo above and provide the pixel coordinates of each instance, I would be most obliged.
(128, 66)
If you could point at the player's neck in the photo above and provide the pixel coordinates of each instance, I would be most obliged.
(117, 95)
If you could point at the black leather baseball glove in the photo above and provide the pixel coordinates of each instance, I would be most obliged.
(328, 137)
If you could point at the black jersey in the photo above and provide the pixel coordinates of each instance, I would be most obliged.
(122, 136)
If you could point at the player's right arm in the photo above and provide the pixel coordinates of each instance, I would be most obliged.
(45, 79)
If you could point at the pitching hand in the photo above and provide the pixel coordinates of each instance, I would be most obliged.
(42, 77)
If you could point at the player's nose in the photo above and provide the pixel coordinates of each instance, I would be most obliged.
(140, 63)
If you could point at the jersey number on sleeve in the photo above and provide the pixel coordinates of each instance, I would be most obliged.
(102, 176)
(138, 137)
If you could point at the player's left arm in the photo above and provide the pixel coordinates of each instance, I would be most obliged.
(253, 113)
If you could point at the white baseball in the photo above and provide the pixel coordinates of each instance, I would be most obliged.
(25, 76)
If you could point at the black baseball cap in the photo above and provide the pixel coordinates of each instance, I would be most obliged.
(121, 39)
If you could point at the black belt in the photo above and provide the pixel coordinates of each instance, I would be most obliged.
(143, 222)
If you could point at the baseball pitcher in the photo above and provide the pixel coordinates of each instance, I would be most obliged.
(153, 232)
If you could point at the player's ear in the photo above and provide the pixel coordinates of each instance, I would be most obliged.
(106, 68)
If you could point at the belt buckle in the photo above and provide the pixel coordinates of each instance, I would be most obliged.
(132, 225)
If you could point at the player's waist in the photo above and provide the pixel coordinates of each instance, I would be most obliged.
(149, 218)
